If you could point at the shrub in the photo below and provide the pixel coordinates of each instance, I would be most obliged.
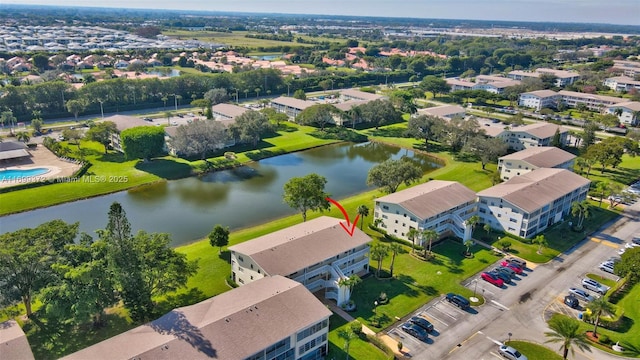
(356, 327)
(505, 245)
(604, 339)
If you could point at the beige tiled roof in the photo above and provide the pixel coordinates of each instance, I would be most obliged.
(442, 110)
(431, 198)
(233, 325)
(13, 342)
(124, 122)
(544, 156)
(540, 130)
(586, 96)
(542, 93)
(536, 189)
(631, 105)
(288, 250)
(293, 102)
(349, 104)
(229, 110)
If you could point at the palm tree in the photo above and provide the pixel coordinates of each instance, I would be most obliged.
(379, 252)
(567, 331)
(429, 235)
(600, 306)
(347, 335)
(350, 282)
(412, 234)
(23, 136)
(168, 115)
(363, 211)
(541, 241)
(581, 210)
(395, 249)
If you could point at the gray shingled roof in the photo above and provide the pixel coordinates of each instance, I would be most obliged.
(124, 122)
(288, 250)
(544, 156)
(536, 189)
(431, 198)
(293, 102)
(229, 110)
(360, 94)
(540, 130)
(13, 342)
(233, 325)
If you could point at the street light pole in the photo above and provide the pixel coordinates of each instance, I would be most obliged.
(175, 99)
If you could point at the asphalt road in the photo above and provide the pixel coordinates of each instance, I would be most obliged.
(520, 308)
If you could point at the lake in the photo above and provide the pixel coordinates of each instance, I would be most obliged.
(189, 208)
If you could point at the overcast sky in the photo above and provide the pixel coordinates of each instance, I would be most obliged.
(598, 11)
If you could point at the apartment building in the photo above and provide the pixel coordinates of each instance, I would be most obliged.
(527, 204)
(353, 94)
(227, 111)
(628, 112)
(443, 206)
(446, 112)
(527, 160)
(272, 318)
(563, 78)
(533, 135)
(290, 106)
(621, 83)
(123, 122)
(626, 67)
(540, 99)
(492, 84)
(591, 101)
(317, 253)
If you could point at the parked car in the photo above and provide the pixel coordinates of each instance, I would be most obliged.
(491, 278)
(571, 301)
(422, 322)
(613, 259)
(515, 268)
(520, 263)
(147, 119)
(507, 270)
(621, 251)
(511, 353)
(415, 331)
(635, 242)
(593, 285)
(607, 267)
(458, 300)
(579, 293)
(506, 278)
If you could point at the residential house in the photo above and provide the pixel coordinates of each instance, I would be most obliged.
(317, 253)
(629, 112)
(533, 135)
(527, 204)
(13, 342)
(290, 106)
(527, 160)
(621, 83)
(446, 112)
(271, 318)
(123, 122)
(540, 99)
(443, 206)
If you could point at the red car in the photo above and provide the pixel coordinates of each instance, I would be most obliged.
(492, 279)
(511, 266)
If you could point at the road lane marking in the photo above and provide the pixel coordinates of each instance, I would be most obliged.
(462, 343)
(494, 340)
(500, 305)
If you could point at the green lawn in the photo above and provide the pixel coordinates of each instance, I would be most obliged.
(358, 349)
(416, 281)
(534, 351)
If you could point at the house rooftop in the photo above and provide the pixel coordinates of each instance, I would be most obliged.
(288, 250)
(540, 130)
(124, 122)
(292, 102)
(362, 95)
(537, 188)
(585, 96)
(233, 325)
(442, 110)
(431, 198)
(631, 105)
(13, 342)
(543, 157)
(542, 93)
(228, 110)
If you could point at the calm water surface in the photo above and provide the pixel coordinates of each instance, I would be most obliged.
(189, 208)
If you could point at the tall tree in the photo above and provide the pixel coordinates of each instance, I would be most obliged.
(434, 85)
(541, 241)
(395, 249)
(486, 148)
(391, 173)
(299, 94)
(378, 252)
(306, 193)
(251, 126)
(629, 265)
(425, 127)
(429, 235)
(581, 210)
(7, 117)
(412, 235)
(363, 211)
(142, 142)
(216, 96)
(76, 107)
(101, 132)
(219, 237)
(380, 112)
(26, 259)
(567, 331)
(600, 306)
(317, 115)
(199, 138)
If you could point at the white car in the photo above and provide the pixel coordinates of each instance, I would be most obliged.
(511, 353)
(593, 285)
(606, 266)
(581, 294)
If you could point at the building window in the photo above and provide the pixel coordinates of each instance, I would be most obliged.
(385, 207)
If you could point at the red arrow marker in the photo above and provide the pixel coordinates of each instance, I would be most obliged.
(346, 216)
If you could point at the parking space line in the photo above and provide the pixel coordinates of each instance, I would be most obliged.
(496, 355)
(431, 317)
(500, 305)
(494, 340)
